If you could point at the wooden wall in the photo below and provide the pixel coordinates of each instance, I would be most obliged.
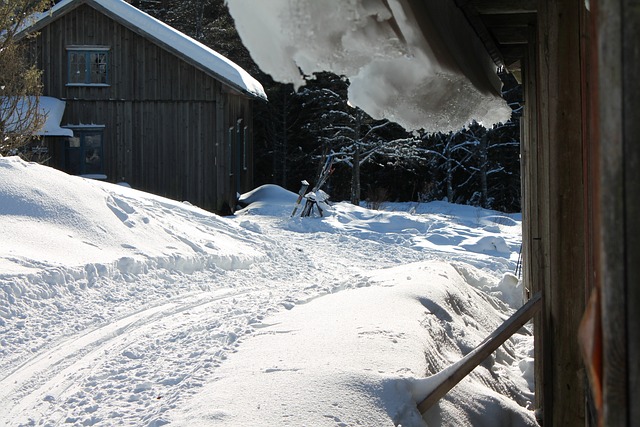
(618, 27)
(581, 201)
(553, 199)
(166, 122)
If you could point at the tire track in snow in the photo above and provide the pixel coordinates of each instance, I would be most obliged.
(30, 388)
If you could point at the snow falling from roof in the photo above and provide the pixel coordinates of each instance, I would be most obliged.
(395, 72)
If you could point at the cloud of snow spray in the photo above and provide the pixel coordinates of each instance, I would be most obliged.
(394, 70)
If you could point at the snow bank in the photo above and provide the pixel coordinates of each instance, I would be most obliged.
(118, 307)
(435, 82)
(368, 348)
(68, 220)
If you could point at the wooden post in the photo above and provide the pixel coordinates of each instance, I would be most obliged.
(631, 36)
(456, 372)
(534, 255)
(561, 210)
(618, 28)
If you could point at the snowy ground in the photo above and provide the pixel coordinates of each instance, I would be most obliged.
(122, 308)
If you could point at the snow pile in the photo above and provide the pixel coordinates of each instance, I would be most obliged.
(118, 307)
(440, 81)
(363, 348)
(88, 221)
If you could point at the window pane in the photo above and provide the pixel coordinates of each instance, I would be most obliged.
(98, 67)
(74, 142)
(72, 157)
(77, 67)
(93, 153)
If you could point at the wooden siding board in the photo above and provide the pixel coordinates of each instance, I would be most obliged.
(128, 142)
(148, 67)
(533, 257)
(612, 200)
(541, 246)
(562, 227)
(631, 65)
(199, 135)
(222, 171)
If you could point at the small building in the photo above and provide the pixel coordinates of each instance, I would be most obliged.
(146, 104)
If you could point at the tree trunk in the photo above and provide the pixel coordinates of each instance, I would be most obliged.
(484, 159)
(355, 177)
(449, 180)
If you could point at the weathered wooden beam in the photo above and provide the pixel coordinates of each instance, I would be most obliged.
(510, 35)
(505, 6)
(560, 110)
(451, 376)
(611, 93)
(510, 19)
(618, 28)
(471, 13)
(631, 35)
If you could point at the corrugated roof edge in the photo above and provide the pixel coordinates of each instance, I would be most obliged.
(192, 51)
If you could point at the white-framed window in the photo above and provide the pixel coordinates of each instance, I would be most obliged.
(88, 65)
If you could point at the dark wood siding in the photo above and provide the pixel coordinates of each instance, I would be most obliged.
(138, 69)
(165, 121)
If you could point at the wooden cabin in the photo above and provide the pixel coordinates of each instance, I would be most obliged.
(147, 105)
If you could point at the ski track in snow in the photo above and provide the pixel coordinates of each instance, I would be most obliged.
(54, 375)
(133, 344)
(140, 365)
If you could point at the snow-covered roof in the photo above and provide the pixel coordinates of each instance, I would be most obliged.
(183, 46)
(52, 109)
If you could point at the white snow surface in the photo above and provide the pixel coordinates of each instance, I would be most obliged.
(118, 307)
(50, 109)
(439, 82)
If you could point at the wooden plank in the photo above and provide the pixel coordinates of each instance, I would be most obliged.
(567, 237)
(541, 246)
(631, 130)
(505, 6)
(510, 20)
(533, 252)
(563, 227)
(510, 35)
(611, 93)
(451, 376)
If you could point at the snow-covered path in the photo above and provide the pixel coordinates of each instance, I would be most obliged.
(130, 331)
(180, 339)
(176, 342)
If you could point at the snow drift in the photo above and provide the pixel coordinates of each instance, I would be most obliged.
(118, 307)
